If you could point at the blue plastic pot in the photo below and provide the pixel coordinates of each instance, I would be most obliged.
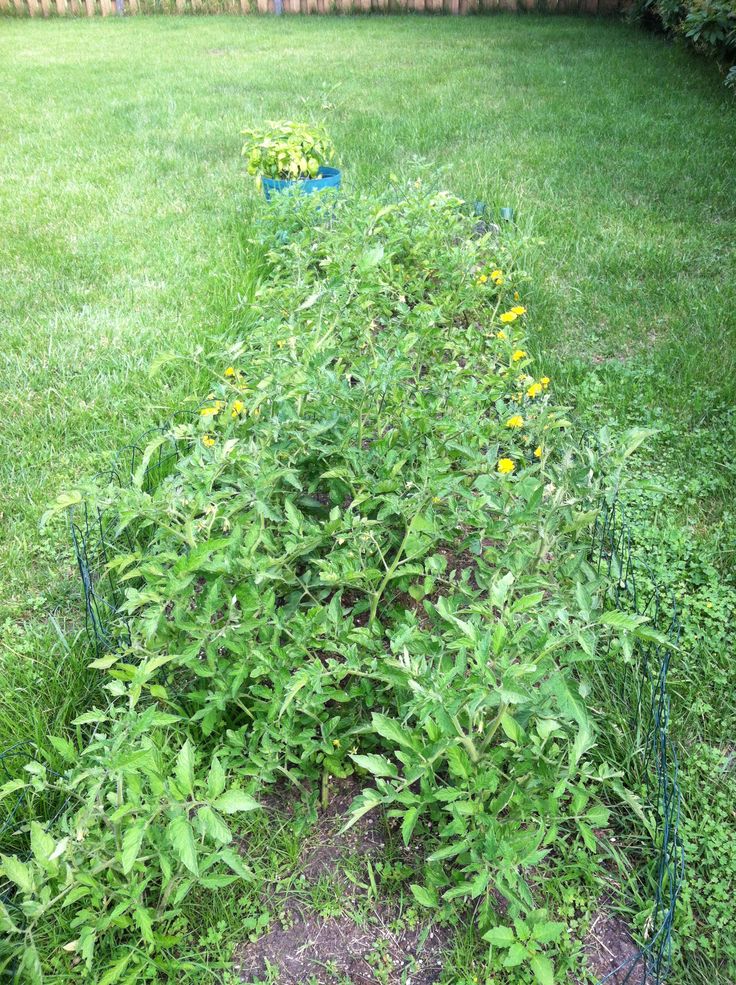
(326, 178)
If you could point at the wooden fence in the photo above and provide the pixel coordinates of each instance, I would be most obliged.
(111, 8)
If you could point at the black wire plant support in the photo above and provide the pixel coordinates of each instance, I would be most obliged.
(629, 587)
(96, 541)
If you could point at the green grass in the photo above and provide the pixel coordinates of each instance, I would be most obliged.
(124, 199)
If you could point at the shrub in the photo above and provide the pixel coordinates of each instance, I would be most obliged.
(708, 25)
(287, 150)
(370, 559)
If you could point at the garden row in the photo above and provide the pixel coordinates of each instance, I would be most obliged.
(369, 558)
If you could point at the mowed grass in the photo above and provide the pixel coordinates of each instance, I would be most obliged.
(123, 201)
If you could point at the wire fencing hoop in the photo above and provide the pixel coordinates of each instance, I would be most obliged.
(632, 587)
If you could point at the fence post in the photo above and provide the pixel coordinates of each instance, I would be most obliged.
(61, 7)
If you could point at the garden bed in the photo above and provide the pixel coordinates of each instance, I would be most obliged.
(366, 557)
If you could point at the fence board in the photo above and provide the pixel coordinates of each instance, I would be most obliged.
(35, 8)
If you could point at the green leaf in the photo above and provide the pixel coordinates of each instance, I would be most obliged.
(584, 741)
(300, 681)
(500, 590)
(151, 448)
(370, 258)
(234, 801)
(409, 823)
(527, 602)
(181, 836)
(42, 844)
(598, 816)
(90, 718)
(102, 663)
(544, 970)
(6, 923)
(11, 787)
(635, 437)
(113, 974)
(132, 839)
(516, 954)
(425, 896)
(64, 747)
(588, 837)
(547, 932)
(184, 769)
(215, 779)
(18, 872)
(449, 851)
(30, 970)
(214, 826)
(500, 936)
(391, 730)
(63, 501)
(376, 765)
(511, 728)
(235, 862)
(621, 620)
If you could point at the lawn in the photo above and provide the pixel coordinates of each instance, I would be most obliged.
(125, 204)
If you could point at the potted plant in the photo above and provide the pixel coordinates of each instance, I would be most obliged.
(291, 156)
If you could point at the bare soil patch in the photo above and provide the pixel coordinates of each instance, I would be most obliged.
(337, 948)
(328, 846)
(608, 946)
(351, 947)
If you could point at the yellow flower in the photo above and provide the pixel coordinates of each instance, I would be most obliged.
(519, 354)
(501, 335)
(238, 407)
(538, 451)
(505, 466)
(281, 343)
(214, 409)
(230, 371)
(508, 316)
(208, 441)
(534, 390)
(517, 421)
(436, 499)
(497, 275)
(516, 295)
(545, 381)
(482, 279)
(519, 310)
